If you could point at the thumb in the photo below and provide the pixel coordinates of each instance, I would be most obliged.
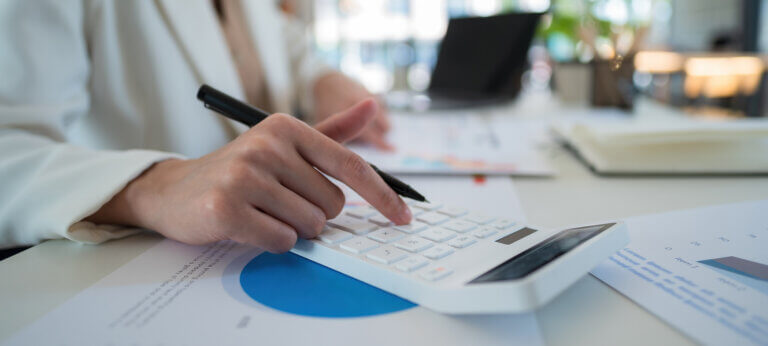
(346, 125)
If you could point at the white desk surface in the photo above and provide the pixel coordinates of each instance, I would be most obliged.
(588, 313)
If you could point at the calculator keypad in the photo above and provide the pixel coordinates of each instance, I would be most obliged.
(432, 218)
(359, 245)
(424, 205)
(414, 244)
(436, 233)
(460, 226)
(437, 252)
(386, 235)
(352, 224)
(478, 218)
(380, 220)
(386, 255)
(361, 212)
(453, 212)
(484, 232)
(462, 241)
(333, 236)
(413, 227)
(411, 263)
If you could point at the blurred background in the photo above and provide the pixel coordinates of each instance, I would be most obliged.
(703, 55)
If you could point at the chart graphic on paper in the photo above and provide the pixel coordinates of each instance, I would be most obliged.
(744, 271)
(705, 271)
(177, 294)
(280, 282)
(454, 144)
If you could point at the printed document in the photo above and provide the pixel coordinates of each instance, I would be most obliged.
(177, 294)
(462, 144)
(704, 271)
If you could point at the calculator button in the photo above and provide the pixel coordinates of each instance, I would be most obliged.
(438, 234)
(386, 255)
(359, 245)
(414, 244)
(386, 235)
(484, 232)
(361, 212)
(437, 252)
(460, 226)
(380, 220)
(453, 212)
(503, 224)
(462, 241)
(351, 224)
(432, 218)
(480, 219)
(413, 227)
(411, 263)
(333, 235)
(417, 211)
(425, 206)
(436, 273)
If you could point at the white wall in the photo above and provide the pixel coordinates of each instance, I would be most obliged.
(695, 22)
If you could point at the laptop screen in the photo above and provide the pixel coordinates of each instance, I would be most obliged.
(483, 56)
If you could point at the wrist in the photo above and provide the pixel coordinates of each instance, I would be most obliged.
(136, 205)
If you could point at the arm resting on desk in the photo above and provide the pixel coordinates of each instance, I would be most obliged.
(47, 186)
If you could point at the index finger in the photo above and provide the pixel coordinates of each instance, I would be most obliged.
(348, 167)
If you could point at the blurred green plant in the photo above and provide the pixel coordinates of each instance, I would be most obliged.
(573, 27)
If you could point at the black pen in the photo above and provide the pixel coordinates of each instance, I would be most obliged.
(246, 114)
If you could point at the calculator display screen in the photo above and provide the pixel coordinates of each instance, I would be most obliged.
(541, 254)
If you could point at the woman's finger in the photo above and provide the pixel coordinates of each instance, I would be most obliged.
(377, 139)
(287, 206)
(266, 232)
(299, 176)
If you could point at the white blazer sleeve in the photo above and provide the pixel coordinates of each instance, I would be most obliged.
(306, 68)
(47, 185)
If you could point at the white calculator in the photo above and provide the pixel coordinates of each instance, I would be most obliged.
(455, 261)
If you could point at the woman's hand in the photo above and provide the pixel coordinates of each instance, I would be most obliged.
(334, 92)
(264, 188)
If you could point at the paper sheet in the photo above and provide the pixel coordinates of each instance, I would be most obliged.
(179, 294)
(704, 271)
(462, 144)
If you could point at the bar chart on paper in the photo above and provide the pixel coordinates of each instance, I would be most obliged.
(705, 271)
(743, 271)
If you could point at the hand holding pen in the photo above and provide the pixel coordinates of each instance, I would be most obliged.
(251, 116)
(264, 188)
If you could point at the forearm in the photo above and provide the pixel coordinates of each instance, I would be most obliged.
(49, 187)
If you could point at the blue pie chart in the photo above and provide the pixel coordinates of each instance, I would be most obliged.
(295, 285)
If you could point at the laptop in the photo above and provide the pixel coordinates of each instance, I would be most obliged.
(481, 60)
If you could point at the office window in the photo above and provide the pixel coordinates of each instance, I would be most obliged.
(392, 44)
